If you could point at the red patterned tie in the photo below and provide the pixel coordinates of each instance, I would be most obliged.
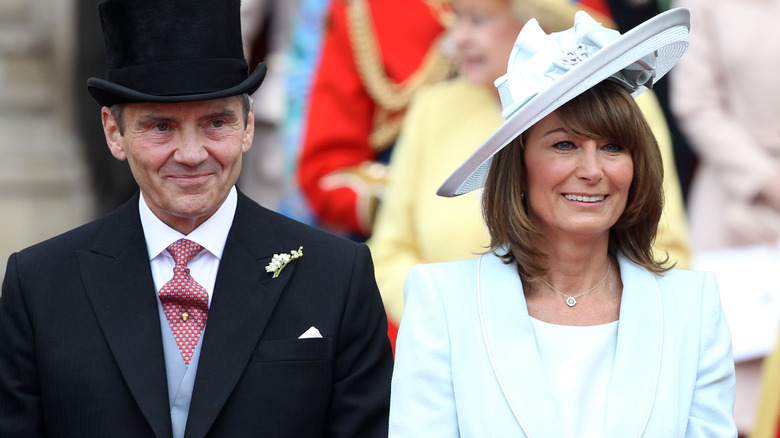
(186, 303)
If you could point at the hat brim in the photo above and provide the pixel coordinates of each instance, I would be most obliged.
(107, 93)
(666, 34)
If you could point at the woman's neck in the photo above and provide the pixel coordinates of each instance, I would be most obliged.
(576, 268)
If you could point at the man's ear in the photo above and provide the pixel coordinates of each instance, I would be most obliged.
(249, 132)
(113, 136)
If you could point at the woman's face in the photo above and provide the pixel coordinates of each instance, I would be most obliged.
(483, 35)
(576, 187)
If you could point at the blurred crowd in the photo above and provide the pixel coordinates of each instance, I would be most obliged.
(370, 104)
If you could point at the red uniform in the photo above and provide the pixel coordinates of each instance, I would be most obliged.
(600, 6)
(355, 109)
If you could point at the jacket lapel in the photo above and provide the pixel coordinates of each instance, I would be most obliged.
(509, 337)
(244, 299)
(635, 372)
(118, 281)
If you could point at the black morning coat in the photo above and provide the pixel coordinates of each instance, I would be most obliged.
(81, 350)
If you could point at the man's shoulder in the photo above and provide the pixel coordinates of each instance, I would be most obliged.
(82, 238)
(285, 229)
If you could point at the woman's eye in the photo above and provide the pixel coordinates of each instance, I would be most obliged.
(564, 145)
(613, 148)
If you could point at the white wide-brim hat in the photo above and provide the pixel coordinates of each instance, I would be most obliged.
(547, 70)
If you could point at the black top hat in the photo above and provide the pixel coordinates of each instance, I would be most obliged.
(173, 51)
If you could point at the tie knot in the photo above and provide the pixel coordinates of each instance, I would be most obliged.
(183, 251)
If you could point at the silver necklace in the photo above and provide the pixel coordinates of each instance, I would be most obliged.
(572, 300)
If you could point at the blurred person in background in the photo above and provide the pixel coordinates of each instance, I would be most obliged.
(266, 28)
(289, 34)
(444, 125)
(726, 102)
(376, 54)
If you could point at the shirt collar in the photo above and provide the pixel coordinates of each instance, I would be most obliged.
(211, 234)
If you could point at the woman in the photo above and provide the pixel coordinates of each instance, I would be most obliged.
(445, 124)
(570, 326)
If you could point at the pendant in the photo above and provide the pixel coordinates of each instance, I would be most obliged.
(571, 301)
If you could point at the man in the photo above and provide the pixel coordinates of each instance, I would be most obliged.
(190, 311)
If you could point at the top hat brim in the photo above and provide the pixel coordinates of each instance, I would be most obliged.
(666, 35)
(107, 93)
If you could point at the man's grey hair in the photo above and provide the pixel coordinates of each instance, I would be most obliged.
(118, 111)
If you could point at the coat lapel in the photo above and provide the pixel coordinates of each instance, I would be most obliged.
(244, 299)
(509, 337)
(635, 372)
(118, 281)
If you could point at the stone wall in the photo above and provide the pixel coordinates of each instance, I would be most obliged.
(44, 187)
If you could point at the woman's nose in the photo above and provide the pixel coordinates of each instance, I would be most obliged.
(589, 165)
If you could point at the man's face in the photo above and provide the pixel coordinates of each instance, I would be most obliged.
(184, 156)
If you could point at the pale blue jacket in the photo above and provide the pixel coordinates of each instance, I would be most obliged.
(467, 363)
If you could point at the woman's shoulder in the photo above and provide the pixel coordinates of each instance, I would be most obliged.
(686, 278)
(690, 289)
(461, 274)
(452, 285)
(683, 284)
(671, 276)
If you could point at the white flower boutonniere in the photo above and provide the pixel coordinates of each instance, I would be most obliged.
(279, 261)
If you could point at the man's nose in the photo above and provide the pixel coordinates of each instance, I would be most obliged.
(190, 149)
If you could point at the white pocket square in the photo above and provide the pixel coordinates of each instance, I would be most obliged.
(312, 332)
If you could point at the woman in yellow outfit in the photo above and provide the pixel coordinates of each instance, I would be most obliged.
(444, 125)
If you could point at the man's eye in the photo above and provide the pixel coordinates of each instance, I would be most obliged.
(161, 127)
(218, 123)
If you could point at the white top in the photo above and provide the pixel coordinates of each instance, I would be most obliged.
(577, 361)
(211, 235)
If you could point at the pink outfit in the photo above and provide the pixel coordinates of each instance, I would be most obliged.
(726, 94)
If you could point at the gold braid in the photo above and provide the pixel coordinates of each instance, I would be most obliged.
(388, 95)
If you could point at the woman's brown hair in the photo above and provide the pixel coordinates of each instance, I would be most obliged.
(605, 112)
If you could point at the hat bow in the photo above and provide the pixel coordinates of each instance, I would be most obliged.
(539, 59)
